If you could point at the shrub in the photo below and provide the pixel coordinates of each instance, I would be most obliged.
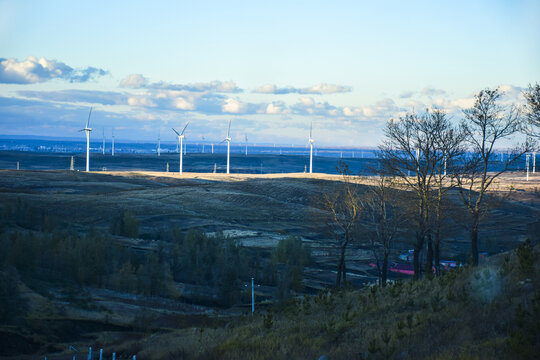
(526, 258)
(125, 224)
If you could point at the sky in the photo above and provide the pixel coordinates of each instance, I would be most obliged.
(272, 68)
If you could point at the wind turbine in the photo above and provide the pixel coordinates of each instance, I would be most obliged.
(112, 149)
(103, 141)
(310, 143)
(87, 131)
(181, 141)
(159, 143)
(228, 140)
(202, 144)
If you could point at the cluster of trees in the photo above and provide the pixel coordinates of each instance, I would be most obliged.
(40, 251)
(431, 157)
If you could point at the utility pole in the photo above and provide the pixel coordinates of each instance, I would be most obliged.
(527, 165)
(252, 295)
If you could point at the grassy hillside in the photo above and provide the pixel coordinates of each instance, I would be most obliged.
(489, 312)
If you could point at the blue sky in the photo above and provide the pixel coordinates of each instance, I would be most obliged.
(271, 67)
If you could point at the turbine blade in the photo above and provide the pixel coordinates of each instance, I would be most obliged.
(229, 131)
(175, 131)
(88, 120)
(310, 129)
(182, 133)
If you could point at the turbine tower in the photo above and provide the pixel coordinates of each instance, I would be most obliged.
(87, 131)
(180, 142)
(246, 143)
(228, 140)
(159, 143)
(112, 149)
(103, 141)
(310, 143)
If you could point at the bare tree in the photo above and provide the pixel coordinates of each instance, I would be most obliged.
(484, 126)
(410, 148)
(383, 220)
(344, 208)
(532, 110)
(421, 146)
(449, 143)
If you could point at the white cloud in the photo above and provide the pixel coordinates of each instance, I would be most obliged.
(138, 81)
(318, 89)
(326, 89)
(144, 100)
(34, 70)
(234, 106)
(429, 91)
(276, 107)
(134, 81)
(266, 89)
(307, 101)
(183, 104)
(352, 111)
(407, 94)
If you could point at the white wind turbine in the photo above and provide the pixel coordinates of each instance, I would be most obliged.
(228, 140)
(180, 142)
(87, 131)
(310, 143)
(159, 142)
(112, 149)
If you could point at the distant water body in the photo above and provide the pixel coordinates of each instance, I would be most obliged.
(260, 159)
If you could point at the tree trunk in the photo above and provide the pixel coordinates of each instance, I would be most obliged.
(384, 269)
(474, 240)
(429, 256)
(341, 274)
(436, 255)
(416, 260)
(338, 277)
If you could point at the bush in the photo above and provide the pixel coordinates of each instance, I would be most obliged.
(526, 258)
(125, 224)
(291, 255)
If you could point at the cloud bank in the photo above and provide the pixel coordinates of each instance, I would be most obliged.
(34, 70)
(137, 81)
(318, 89)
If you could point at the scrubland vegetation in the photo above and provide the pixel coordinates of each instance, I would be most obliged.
(485, 312)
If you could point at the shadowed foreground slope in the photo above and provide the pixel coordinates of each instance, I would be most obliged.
(489, 312)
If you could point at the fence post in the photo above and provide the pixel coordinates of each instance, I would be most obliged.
(100, 354)
(90, 353)
(113, 356)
